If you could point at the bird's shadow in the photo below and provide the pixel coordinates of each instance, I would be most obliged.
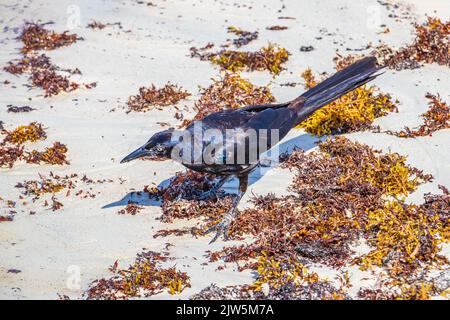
(304, 142)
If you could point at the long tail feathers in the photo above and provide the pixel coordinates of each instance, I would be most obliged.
(337, 85)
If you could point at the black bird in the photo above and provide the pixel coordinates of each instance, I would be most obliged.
(266, 121)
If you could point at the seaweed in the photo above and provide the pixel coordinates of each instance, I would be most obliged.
(436, 118)
(354, 111)
(18, 109)
(55, 155)
(47, 187)
(42, 72)
(52, 184)
(244, 37)
(32, 132)
(431, 45)
(8, 211)
(230, 91)
(35, 37)
(145, 277)
(278, 279)
(12, 149)
(100, 25)
(276, 28)
(270, 58)
(9, 155)
(131, 209)
(152, 97)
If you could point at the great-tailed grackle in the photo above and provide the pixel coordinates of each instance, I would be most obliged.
(222, 144)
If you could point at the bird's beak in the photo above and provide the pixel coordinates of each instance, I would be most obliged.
(139, 153)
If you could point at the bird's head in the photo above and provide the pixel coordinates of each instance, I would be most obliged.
(159, 146)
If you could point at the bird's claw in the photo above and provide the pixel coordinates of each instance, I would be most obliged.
(221, 229)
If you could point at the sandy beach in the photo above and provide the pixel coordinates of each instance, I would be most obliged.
(48, 254)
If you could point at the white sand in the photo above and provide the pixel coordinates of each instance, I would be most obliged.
(43, 246)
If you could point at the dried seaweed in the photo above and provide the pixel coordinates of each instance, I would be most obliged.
(55, 155)
(9, 155)
(229, 92)
(431, 45)
(42, 72)
(277, 279)
(7, 213)
(354, 111)
(18, 109)
(32, 132)
(277, 28)
(244, 37)
(100, 26)
(11, 149)
(35, 37)
(145, 277)
(46, 188)
(131, 209)
(52, 184)
(270, 58)
(152, 97)
(28, 63)
(436, 118)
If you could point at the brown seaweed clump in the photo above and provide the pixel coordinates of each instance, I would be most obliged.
(270, 58)
(229, 92)
(436, 118)
(42, 72)
(32, 132)
(243, 37)
(29, 63)
(131, 209)
(55, 155)
(12, 149)
(180, 199)
(278, 279)
(145, 277)
(277, 28)
(47, 187)
(354, 111)
(7, 210)
(9, 155)
(431, 45)
(35, 37)
(152, 97)
(100, 25)
(407, 235)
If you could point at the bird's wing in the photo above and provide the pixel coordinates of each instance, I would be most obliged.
(246, 127)
(262, 107)
(234, 118)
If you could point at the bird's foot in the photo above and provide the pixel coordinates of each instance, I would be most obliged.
(221, 228)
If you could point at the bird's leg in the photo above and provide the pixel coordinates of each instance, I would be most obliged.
(223, 226)
(213, 191)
